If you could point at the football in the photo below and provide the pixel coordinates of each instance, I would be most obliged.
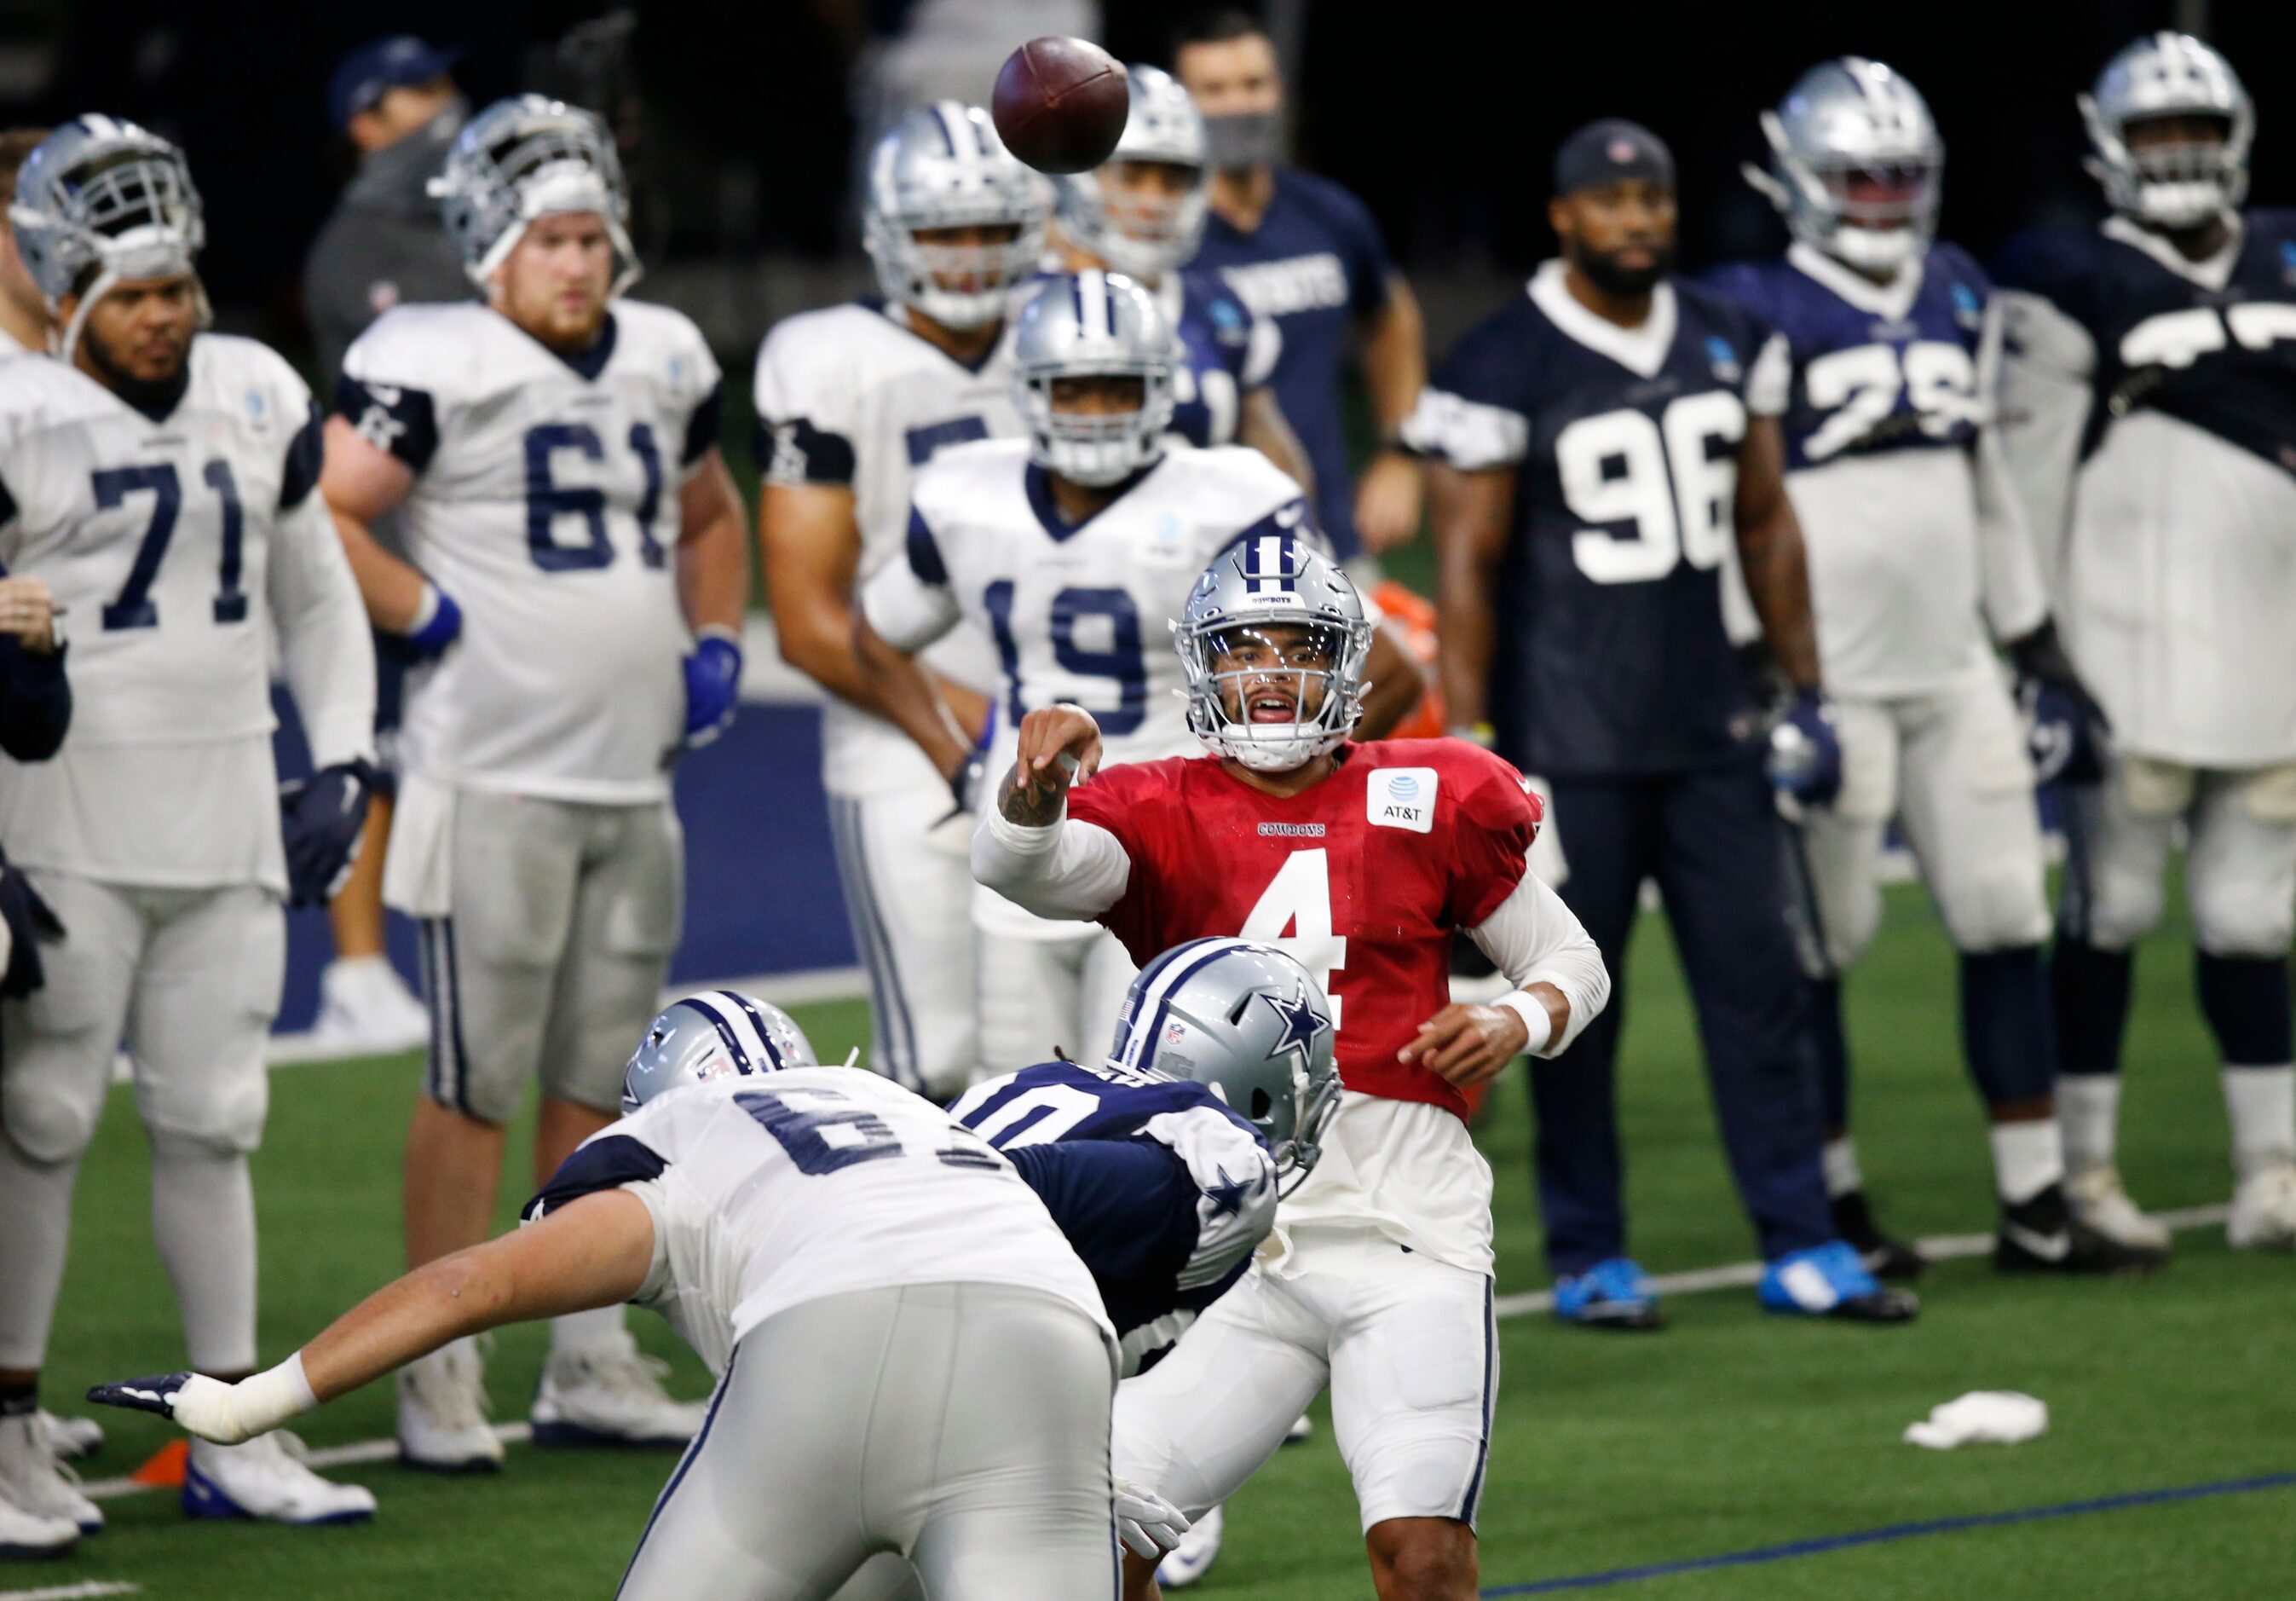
(1059, 104)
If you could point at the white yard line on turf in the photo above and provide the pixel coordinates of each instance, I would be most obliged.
(73, 1592)
(1938, 1248)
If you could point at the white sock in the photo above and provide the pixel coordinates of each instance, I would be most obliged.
(2027, 1159)
(203, 1221)
(2088, 1111)
(1839, 1157)
(597, 1333)
(2262, 1104)
(36, 1199)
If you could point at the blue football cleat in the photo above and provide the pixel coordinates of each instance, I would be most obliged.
(1614, 1293)
(1829, 1281)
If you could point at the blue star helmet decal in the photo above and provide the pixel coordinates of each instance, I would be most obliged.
(1301, 1022)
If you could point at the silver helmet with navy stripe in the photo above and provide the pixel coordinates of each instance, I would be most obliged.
(1252, 1025)
(1274, 641)
(526, 157)
(1093, 325)
(719, 1034)
(2194, 166)
(98, 200)
(1856, 164)
(942, 168)
(1146, 235)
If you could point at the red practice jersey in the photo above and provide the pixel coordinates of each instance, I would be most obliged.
(1362, 878)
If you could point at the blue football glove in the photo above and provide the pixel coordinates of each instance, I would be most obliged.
(437, 624)
(1805, 764)
(2065, 728)
(321, 818)
(713, 685)
(28, 921)
(973, 780)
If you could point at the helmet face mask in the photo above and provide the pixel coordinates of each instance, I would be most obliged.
(1247, 1023)
(1273, 644)
(526, 157)
(1857, 167)
(2169, 126)
(941, 172)
(720, 1034)
(1093, 325)
(1143, 210)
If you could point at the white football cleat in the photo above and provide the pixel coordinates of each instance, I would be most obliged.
(366, 1008)
(1303, 1427)
(609, 1397)
(2097, 1198)
(26, 1536)
(442, 1417)
(72, 1438)
(1193, 1557)
(2264, 1210)
(33, 1481)
(265, 1479)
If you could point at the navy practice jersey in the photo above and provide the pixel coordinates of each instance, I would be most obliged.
(1862, 382)
(1225, 352)
(1316, 264)
(1609, 655)
(1095, 1144)
(2222, 360)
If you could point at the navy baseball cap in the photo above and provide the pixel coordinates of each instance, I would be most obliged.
(1609, 151)
(379, 66)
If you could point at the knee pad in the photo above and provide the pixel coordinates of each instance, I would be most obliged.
(2118, 908)
(45, 1120)
(2001, 909)
(227, 1119)
(2241, 916)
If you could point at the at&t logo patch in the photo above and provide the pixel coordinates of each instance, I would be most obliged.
(1401, 798)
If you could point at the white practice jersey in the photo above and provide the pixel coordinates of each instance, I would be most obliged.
(545, 502)
(172, 544)
(2150, 403)
(9, 345)
(848, 398)
(773, 1190)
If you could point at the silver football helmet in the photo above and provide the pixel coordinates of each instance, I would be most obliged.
(525, 157)
(719, 1034)
(1278, 625)
(1150, 239)
(2177, 185)
(1856, 164)
(942, 166)
(1251, 1024)
(98, 200)
(1093, 325)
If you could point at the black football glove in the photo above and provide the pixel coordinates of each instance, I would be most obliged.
(2065, 729)
(29, 921)
(321, 818)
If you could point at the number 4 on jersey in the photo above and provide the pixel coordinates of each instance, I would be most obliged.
(1295, 915)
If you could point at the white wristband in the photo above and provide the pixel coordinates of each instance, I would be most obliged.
(1536, 1018)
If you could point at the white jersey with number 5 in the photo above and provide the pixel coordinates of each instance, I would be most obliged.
(848, 398)
(171, 542)
(786, 1187)
(545, 502)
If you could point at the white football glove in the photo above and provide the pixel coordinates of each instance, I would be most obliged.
(226, 1413)
(1148, 1524)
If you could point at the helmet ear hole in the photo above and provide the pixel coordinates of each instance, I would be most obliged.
(1262, 1103)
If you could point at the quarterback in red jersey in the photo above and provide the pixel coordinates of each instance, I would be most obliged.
(1361, 860)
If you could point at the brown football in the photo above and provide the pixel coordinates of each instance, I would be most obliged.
(1059, 104)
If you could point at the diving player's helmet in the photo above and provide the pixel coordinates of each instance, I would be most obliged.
(1163, 125)
(1247, 1023)
(942, 166)
(98, 200)
(719, 1034)
(1856, 164)
(1298, 615)
(526, 157)
(1093, 325)
(2176, 185)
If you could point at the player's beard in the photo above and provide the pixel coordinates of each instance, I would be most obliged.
(153, 396)
(1605, 272)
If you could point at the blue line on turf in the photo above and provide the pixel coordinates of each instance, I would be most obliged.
(1874, 1537)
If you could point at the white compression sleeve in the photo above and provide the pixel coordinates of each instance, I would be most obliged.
(1063, 869)
(1534, 939)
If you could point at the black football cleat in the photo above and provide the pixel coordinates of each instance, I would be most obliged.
(1885, 1256)
(2042, 1235)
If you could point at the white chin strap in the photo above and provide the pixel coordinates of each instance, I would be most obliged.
(1873, 250)
(2181, 203)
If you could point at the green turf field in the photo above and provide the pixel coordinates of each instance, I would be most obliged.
(1731, 1431)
